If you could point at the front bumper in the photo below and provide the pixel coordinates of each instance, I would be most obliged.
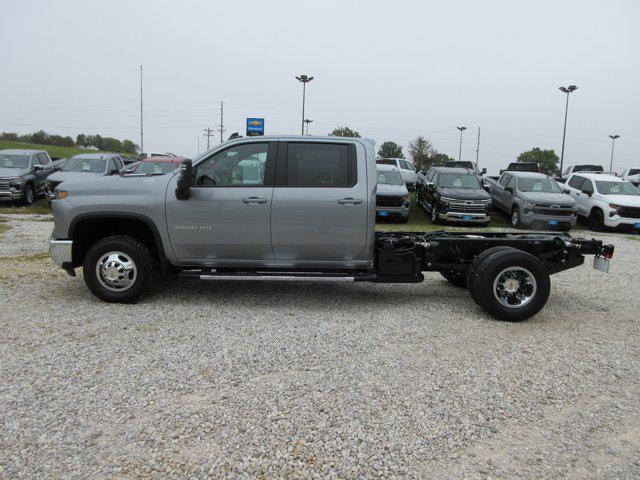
(60, 252)
(617, 221)
(10, 195)
(470, 217)
(531, 218)
(402, 211)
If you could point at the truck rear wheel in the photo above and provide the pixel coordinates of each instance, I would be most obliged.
(511, 285)
(118, 269)
(473, 268)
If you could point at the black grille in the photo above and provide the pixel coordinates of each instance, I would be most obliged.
(4, 183)
(629, 212)
(383, 201)
(553, 212)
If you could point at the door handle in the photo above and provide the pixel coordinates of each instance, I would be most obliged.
(349, 201)
(254, 200)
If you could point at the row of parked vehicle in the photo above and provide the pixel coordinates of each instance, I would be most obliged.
(461, 193)
(27, 174)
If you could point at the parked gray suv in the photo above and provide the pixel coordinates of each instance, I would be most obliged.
(23, 174)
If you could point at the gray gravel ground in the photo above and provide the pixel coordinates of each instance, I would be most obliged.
(246, 380)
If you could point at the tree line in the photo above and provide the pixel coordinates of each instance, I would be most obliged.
(424, 155)
(101, 143)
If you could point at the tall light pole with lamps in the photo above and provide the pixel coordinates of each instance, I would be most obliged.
(462, 129)
(304, 79)
(613, 144)
(567, 90)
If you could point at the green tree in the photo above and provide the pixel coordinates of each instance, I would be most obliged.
(81, 139)
(422, 152)
(129, 147)
(547, 159)
(344, 132)
(390, 150)
(439, 158)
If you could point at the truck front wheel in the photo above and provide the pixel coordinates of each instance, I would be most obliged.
(511, 285)
(118, 269)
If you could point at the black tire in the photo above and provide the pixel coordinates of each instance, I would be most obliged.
(534, 283)
(515, 220)
(434, 213)
(455, 277)
(29, 194)
(473, 268)
(135, 251)
(596, 220)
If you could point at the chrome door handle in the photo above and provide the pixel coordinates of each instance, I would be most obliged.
(349, 201)
(254, 200)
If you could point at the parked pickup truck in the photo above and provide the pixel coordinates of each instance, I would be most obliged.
(522, 167)
(310, 217)
(23, 174)
(533, 199)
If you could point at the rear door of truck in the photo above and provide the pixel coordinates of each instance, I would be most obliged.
(319, 210)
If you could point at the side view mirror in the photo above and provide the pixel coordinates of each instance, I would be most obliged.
(430, 186)
(486, 186)
(509, 189)
(38, 168)
(114, 171)
(566, 191)
(484, 171)
(183, 189)
(128, 171)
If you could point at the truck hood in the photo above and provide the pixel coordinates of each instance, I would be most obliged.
(464, 193)
(63, 176)
(391, 190)
(13, 172)
(623, 200)
(542, 197)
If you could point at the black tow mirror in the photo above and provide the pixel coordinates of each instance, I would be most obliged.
(183, 189)
(483, 172)
(566, 191)
(38, 168)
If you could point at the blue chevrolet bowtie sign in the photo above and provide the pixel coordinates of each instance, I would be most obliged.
(255, 126)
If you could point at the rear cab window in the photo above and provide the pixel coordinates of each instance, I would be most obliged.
(576, 182)
(303, 164)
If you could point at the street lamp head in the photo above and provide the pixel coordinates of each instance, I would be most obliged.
(613, 137)
(568, 89)
(462, 129)
(304, 78)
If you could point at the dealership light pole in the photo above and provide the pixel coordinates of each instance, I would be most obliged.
(567, 90)
(462, 129)
(613, 144)
(307, 121)
(141, 129)
(304, 79)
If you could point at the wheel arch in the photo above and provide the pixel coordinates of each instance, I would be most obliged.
(86, 229)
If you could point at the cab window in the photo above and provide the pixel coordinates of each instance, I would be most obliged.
(576, 182)
(319, 165)
(240, 165)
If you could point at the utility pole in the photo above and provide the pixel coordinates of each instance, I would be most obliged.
(207, 133)
(478, 148)
(462, 129)
(307, 121)
(613, 144)
(221, 129)
(567, 90)
(198, 145)
(304, 79)
(141, 125)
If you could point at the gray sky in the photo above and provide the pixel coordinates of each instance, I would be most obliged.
(391, 70)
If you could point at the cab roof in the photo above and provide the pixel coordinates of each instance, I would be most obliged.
(95, 156)
(386, 168)
(607, 177)
(20, 151)
(456, 170)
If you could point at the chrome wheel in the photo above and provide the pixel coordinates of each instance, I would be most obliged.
(434, 212)
(28, 194)
(116, 271)
(514, 218)
(515, 287)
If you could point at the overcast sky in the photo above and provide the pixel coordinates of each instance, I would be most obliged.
(390, 70)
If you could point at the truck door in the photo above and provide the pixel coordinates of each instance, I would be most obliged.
(228, 215)
(320, 202)
(575, 186)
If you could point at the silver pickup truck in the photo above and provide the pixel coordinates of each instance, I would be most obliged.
(310, 216)
(533, 199)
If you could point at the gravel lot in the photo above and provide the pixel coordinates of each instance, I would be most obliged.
(290, 380)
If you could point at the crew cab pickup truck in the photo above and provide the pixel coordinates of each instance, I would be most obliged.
(311, 216)
(605, 200)
(23, 174)
(521, 167)
(532, 199)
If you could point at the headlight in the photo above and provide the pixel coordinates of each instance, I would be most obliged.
(528, 204)
(15, 182)
(445, 200)
(60, 194)
(406, 199)
(614, 209)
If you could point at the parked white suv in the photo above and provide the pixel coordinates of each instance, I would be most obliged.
(404, 167)
(632, 175)
(605, 200)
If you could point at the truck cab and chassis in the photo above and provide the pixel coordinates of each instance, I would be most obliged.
(310, 217)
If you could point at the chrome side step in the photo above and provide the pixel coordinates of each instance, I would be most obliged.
(287, 278)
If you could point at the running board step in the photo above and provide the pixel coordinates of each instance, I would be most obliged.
(283, 276)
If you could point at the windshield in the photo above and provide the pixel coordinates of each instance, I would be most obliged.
(95, 165)
(616, 188)
(386, 162)
(389, 177)
(155, 168)
(451, 180)
(546, 185)
(14, 161)
(634, 171)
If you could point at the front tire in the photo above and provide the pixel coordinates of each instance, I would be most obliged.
(596, 220)
(516, 222)
(118, 269)
(29, 194)
(434, 213)
(511, 285)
